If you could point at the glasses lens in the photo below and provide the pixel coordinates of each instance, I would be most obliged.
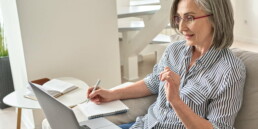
(189, 19)
(177, 19)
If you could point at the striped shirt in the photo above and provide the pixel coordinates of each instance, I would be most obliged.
(212, 88)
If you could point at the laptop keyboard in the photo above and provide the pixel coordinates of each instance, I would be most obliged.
(85, 127)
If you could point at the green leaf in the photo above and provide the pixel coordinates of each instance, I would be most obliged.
(3, 49)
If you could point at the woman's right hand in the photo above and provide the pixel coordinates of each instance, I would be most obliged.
(100, 95)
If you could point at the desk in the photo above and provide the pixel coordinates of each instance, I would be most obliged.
(17, 99)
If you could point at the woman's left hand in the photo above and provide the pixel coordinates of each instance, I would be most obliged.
(171, 85)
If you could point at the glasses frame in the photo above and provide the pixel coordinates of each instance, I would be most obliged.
(194, 18)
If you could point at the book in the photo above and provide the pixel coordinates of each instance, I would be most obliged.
(53, 87)
(41, 81)
(92, 110)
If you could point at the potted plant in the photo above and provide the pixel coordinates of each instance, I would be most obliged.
(6, 80)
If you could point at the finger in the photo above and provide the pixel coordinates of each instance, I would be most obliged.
(176, 78)
(166, 85)
(166, 68)
(94, 99)
(174, 74)
(161, 74)
(169, 78)
(164, 76)
(89, 91)
(97, 100)
(95, 93)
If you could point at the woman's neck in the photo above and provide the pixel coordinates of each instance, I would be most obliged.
(197, 52)
(200, 50)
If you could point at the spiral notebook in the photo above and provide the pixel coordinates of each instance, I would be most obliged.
(92, 110)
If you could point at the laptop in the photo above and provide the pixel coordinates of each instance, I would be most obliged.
(60, 116)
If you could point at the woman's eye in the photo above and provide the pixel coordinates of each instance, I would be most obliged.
(177, 19)
(189, 18)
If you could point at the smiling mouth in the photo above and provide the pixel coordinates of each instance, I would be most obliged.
(188, 36)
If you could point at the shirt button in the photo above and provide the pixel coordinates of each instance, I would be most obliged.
(165, 112)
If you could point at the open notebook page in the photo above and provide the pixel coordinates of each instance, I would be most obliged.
(92, 110)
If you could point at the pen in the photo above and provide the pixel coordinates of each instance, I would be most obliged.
(96, 85)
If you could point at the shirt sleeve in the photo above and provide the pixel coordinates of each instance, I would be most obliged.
(223, 110)
(152, 80)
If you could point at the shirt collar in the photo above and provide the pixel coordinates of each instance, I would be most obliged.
(188, 51)
(207, 59)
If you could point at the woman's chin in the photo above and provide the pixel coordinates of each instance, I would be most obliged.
(189, 42)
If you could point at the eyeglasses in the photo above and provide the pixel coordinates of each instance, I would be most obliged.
(188, 18)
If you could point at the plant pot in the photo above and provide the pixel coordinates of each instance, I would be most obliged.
(6, 80)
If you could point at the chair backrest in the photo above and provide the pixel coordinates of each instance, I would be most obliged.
(247, 117)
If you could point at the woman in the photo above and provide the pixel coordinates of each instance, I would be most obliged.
(199, 81)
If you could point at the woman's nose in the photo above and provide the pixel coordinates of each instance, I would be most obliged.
(182, 26)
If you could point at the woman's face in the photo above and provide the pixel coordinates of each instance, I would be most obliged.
(199, 32)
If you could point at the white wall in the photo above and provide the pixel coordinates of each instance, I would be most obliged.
(246, 19)
(71, 38)
(61, 38)
(122, 3)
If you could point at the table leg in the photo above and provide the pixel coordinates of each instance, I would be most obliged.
(19, 118)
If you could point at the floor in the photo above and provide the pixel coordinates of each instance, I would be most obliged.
(8, 115)
(8, 119)
(145, 67)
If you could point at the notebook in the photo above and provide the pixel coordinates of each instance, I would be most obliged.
(92, 110)
(53, 87)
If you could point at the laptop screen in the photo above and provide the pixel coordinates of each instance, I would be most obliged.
(58, 115)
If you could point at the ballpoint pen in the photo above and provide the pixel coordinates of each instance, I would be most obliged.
(96, 85)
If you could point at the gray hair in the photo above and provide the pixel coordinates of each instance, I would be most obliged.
(222, 20)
